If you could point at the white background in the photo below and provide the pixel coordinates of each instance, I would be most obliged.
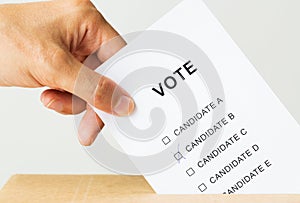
(35, 140)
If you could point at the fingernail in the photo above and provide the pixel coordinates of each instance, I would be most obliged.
(124, 106)
(55, 105)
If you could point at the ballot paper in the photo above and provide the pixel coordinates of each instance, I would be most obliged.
(205, 121)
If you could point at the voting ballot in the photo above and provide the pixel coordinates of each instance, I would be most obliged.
(205, 119)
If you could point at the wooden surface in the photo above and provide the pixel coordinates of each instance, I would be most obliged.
(110, 189)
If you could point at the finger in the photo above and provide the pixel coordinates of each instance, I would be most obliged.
(62, 102)
(89, 127)
(112, 42)
(110, 47)
(92, 61)
(92, 87)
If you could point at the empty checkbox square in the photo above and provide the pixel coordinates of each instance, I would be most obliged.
(190, 171)
(178, 156)
(166, 140)
(202, 187)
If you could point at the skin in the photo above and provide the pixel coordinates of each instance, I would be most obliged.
(45, 44)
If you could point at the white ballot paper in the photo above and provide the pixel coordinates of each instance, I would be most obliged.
(205, 120)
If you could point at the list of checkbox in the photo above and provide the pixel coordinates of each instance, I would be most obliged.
(166, 140)
(178, 156)
(202, 187)
(190, 171)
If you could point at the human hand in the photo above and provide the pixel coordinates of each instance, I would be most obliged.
(45, 44)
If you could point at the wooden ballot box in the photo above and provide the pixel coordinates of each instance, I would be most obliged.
(110, 189)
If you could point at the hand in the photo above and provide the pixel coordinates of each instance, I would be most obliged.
(45, 43)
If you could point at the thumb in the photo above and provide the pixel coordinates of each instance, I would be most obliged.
(95, 89)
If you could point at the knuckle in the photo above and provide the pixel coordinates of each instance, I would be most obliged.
(56, 60)
(103, 92)
(84, 7)
(57, 65)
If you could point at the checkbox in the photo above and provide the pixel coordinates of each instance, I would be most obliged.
(202, 187)
(190, 171)
(166, 140)
(178, 156)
